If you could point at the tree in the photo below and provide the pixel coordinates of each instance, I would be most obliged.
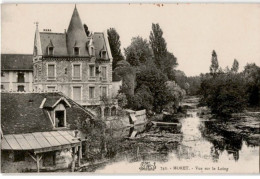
(86, 29)
(214, 64)
(164, 60)
(138, 52)
(224, 94)
(235, 66)
(158, 44)
(252, 78)
(155, 80)
(115, 46)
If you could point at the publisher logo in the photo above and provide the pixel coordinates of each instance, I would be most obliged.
(147, 166)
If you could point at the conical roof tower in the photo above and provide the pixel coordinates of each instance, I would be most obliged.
(76, 35)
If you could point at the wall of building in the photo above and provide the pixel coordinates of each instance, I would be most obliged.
(10, 80)
(64, 80)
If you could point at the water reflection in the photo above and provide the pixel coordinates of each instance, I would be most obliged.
(196, 142)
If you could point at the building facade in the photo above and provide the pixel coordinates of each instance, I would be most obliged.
(16, 72)
(78, 65)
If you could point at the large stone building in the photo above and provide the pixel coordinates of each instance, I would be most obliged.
(78, 65)
(16, 72)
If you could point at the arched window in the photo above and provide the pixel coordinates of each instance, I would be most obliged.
(107, 111)
(113, 111)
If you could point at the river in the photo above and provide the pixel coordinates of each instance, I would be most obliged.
(196, 152)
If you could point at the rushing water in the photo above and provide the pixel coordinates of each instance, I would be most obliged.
(195, 153)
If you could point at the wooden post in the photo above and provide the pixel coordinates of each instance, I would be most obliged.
(73, 160)
(38, 162)
(79, 155)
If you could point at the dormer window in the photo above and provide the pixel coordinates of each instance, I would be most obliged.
(51, 51)
(76, 51)
(103, 54)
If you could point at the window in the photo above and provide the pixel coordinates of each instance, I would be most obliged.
(77, 93)
(104, 91)
(60, 119)
(20, 88)
(104, 73)
(76, 71)
(113, 111)
(20, 78)
(91, 92)
(51, 88)
(51, 51)
(103, 54)
(2, 87)
(91, 71)
(2, 74)
(19, 156)
(107, 111)
(76, 50)
(51, 72)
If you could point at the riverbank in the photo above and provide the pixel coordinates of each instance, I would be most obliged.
(245, 124)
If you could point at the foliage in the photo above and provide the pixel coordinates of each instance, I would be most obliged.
(224, 94)
(252, 78)
(122, 100)
(138, 52)
(163, 59)
(194, 82)
(214, 64)
(155, 80)
(115, 46)
(235, 66)
(180, 79)
(86, 29)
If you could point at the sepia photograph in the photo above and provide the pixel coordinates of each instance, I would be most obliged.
(130, 88)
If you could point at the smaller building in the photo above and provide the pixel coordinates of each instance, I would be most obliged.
(16, 72)
(40, 132)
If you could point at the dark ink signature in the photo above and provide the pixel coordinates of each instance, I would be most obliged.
(148, 166)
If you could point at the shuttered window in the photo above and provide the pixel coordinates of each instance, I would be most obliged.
(51, 71)
(104, 91)
(77, 93)
(76, 71)
(91, 70)
(104, 73)
(91, 92)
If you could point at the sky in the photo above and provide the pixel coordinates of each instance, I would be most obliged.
(192, 31)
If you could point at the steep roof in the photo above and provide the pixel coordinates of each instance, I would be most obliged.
(21, 112)
(100, 44)
(17, 62)
(64, 43)
(76, 35)
(57, 40)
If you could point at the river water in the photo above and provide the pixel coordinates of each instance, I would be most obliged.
(196, 152)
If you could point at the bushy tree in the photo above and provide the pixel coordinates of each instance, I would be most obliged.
(138, 52)
(115, 46)
(252, 78)
(155, 80)
(224, 94)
